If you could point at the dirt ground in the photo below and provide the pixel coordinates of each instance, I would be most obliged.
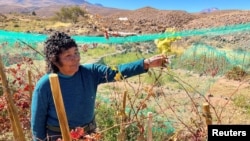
(228, 99)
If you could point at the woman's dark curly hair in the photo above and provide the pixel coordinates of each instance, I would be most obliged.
(55, 45)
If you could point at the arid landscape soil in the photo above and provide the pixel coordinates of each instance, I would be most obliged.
(141, 21)
(149, 20)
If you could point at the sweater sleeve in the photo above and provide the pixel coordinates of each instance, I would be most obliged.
(39, 107)
(104, 74)
(132, 68)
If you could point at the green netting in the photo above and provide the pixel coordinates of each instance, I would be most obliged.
(206, 60)
(195, 53)
(202, 57)
(213, 57)
(12, 37)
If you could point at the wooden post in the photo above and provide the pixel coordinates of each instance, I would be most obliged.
(15, 123)
(60, 110)
(122, 134)
(207, 114)
(150, 120)
(30, 84)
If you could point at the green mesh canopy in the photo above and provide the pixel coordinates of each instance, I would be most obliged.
(11, 37)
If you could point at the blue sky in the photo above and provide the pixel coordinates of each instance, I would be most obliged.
(187, 5)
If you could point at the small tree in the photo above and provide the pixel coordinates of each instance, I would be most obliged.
(33, 13)
(70, 14)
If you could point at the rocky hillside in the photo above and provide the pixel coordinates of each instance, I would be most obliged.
(48, 8)
(144, 20)
(40, 3)
(149, 20)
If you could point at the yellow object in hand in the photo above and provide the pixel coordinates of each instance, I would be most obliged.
(164, 44)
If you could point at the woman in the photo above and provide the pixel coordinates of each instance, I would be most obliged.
(78, 85)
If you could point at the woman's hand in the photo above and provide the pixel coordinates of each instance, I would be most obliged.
(156, 61)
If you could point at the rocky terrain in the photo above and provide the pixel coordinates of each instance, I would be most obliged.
(143, 21)
(150, 20)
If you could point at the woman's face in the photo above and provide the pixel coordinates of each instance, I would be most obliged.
(69, 61)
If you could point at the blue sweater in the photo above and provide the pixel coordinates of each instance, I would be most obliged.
(78, 93)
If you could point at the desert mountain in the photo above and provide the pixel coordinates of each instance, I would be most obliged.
(142, 20)
(47, 8)
(40, 3)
